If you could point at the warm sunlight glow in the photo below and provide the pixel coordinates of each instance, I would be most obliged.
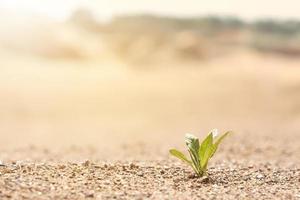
(105, 9)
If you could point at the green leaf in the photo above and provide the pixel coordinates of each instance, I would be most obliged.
(179, 155)
(199, 154)
(206, 150)
(218, 141)
(192, 143)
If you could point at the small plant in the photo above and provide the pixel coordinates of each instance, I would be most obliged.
(200, 154)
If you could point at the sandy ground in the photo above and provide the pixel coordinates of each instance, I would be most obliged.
(76, 130)
(241, 170)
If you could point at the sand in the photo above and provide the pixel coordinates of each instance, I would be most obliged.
(72, 130)
(241, 169)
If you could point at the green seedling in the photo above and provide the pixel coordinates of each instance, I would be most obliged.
(200, 154)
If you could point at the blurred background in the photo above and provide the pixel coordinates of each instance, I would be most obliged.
(110, 74)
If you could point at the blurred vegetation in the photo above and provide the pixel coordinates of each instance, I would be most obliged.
(211, 23)
(204, 37)
(149, 39)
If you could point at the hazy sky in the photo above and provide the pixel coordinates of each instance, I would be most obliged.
(104, 9)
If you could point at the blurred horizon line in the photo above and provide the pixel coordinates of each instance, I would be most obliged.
(106, 10)
(217, 16)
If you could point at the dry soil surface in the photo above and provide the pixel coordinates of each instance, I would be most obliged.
(123, 123)
(146, 180)
(240, 170)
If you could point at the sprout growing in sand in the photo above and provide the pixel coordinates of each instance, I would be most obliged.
(200, 154)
